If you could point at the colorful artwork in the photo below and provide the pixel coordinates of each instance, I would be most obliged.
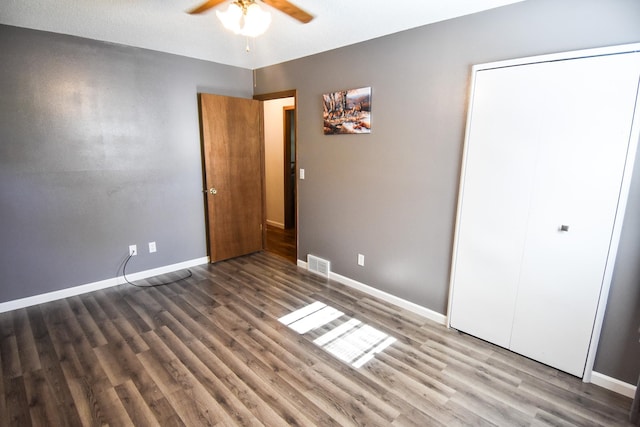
(347, 111)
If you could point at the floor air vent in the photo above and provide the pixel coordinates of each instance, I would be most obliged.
(318, 265)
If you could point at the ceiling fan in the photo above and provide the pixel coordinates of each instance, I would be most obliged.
(282, 5)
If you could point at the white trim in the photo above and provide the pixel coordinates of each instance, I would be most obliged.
(463, 171)
(634, 136)
(95, 286)
(407, 305)
(275, 224)
(613, 384)
(392, 299)
(560, 56)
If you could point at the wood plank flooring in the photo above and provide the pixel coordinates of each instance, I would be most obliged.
(210, 350)
(282, 242)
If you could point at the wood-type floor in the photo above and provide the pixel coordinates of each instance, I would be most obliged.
(282, 242)
(210, 350)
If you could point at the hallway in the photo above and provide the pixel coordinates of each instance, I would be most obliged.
(282, 242)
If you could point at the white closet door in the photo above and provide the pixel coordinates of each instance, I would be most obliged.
(584, 109)
(546, 147)
(492, 225)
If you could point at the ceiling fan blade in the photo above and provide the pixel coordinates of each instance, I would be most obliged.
(290, 9)
(205, 6)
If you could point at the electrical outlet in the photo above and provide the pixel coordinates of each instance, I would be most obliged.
(133, 250)
(361, 260)
(152, 247)
(301, 173)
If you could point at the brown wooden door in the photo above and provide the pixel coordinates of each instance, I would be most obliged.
(232, 147)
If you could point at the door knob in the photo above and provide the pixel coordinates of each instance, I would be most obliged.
(564, 228)
(213, 191)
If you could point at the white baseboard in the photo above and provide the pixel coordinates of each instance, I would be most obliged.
(613, 384)
(275, 224)
(407, 305)
(95, 286)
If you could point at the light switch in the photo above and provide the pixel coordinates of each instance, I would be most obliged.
(301, 173)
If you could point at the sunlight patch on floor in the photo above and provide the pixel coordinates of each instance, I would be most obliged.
(353, 341)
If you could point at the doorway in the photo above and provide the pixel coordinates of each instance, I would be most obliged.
(280, 174)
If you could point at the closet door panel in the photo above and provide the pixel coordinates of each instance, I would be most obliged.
(498, 177)
(583, 140)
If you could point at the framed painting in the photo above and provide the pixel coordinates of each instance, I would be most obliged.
(347, 111)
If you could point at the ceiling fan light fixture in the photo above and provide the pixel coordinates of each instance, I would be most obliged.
(256, 21)
(245, 18)
(231, 18)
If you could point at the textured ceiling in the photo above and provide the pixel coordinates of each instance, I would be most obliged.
(163, 25)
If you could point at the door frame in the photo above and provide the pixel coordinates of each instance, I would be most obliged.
(267, 97)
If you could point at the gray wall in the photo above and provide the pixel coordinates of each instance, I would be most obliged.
(99, 149)
(391, 195)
